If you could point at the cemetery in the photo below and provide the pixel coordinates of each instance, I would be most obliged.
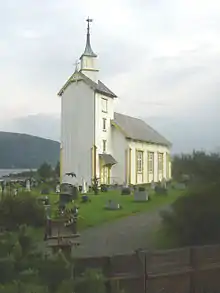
(107, 203)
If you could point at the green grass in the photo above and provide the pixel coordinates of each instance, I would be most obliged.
(93, 213)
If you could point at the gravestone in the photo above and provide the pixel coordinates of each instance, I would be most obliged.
(152, 185)
(68, 191)
(125, 190)
(160, 190)
(141, 195)
(58, 188)
(104, 188)
(84, 187)
(28, 186)
(164, 183)
(111, 205)
(85, 199)
(180, 186)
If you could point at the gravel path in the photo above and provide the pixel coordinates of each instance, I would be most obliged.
(122, 236)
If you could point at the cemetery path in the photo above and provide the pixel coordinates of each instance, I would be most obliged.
(121, 236)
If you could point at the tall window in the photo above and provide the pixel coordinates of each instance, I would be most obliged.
(150, 162)
(104, 105)
(160, 162)
(104, 145)
(140, 161)
(104, 124)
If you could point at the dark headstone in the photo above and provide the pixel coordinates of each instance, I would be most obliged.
(45, 191)
(160, 190)
(104, 188)
(125, 191)
(69, 189)
(85, 199)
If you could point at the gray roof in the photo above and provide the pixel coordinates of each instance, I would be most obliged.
(99, 86)
(108, 159)
(137, 129)
(88, 49)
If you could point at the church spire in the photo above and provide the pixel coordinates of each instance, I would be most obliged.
(88, 49)
(88, 58)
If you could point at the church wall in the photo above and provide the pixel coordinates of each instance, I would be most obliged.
(119, 151)
(77, 132)
(146, 148)
(100, 134)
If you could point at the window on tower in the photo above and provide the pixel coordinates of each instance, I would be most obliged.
(104, 124)
(104, 105)
(104, 146)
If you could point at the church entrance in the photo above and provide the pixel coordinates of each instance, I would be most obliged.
(104, 175)
(106, 161)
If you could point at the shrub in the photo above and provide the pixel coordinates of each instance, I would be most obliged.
(141, 188)
(19, 210)
(195, 218)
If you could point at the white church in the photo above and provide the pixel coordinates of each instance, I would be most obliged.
(97, 142)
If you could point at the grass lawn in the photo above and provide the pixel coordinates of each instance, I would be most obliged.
(93, 213)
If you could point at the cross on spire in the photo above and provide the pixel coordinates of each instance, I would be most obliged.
(88, 25)
(76, 65)
(88, 49)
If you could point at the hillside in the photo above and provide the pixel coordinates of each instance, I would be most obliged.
(26, 151)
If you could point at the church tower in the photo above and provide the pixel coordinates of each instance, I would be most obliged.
(89, 58)
(86, 114)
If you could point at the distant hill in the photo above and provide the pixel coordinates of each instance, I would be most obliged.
(26, 151)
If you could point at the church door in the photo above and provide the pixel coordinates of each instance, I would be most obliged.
(105, 175)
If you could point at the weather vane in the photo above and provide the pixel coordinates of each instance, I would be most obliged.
(89, 20)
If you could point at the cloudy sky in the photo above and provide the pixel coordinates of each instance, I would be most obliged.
(161, 57)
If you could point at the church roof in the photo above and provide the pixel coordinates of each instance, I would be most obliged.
(99, 86)
(137, 129)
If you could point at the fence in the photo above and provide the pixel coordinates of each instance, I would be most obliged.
(186, 270)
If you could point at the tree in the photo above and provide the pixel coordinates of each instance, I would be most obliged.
(57, 170)
(200, 166)
(194, 219)
(45, 171)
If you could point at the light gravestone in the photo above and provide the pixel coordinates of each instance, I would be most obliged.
(164, 183)
(180, 186)
(28, 186)
(84, 187)
(152, 185)
(58, 188)
(141, 196)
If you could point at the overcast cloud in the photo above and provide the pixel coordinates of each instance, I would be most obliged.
(161, 57)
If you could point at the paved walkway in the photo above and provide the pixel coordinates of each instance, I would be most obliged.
(121, 236)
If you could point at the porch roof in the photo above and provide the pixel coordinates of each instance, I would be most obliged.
(107, 159)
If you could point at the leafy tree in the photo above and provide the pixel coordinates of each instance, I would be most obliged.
(45, 171)
(195, 218)
(200, 166)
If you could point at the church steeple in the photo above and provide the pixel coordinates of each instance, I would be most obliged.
(88, 49)
(88, 58)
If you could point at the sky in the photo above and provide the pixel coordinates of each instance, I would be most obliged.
(161, 57)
